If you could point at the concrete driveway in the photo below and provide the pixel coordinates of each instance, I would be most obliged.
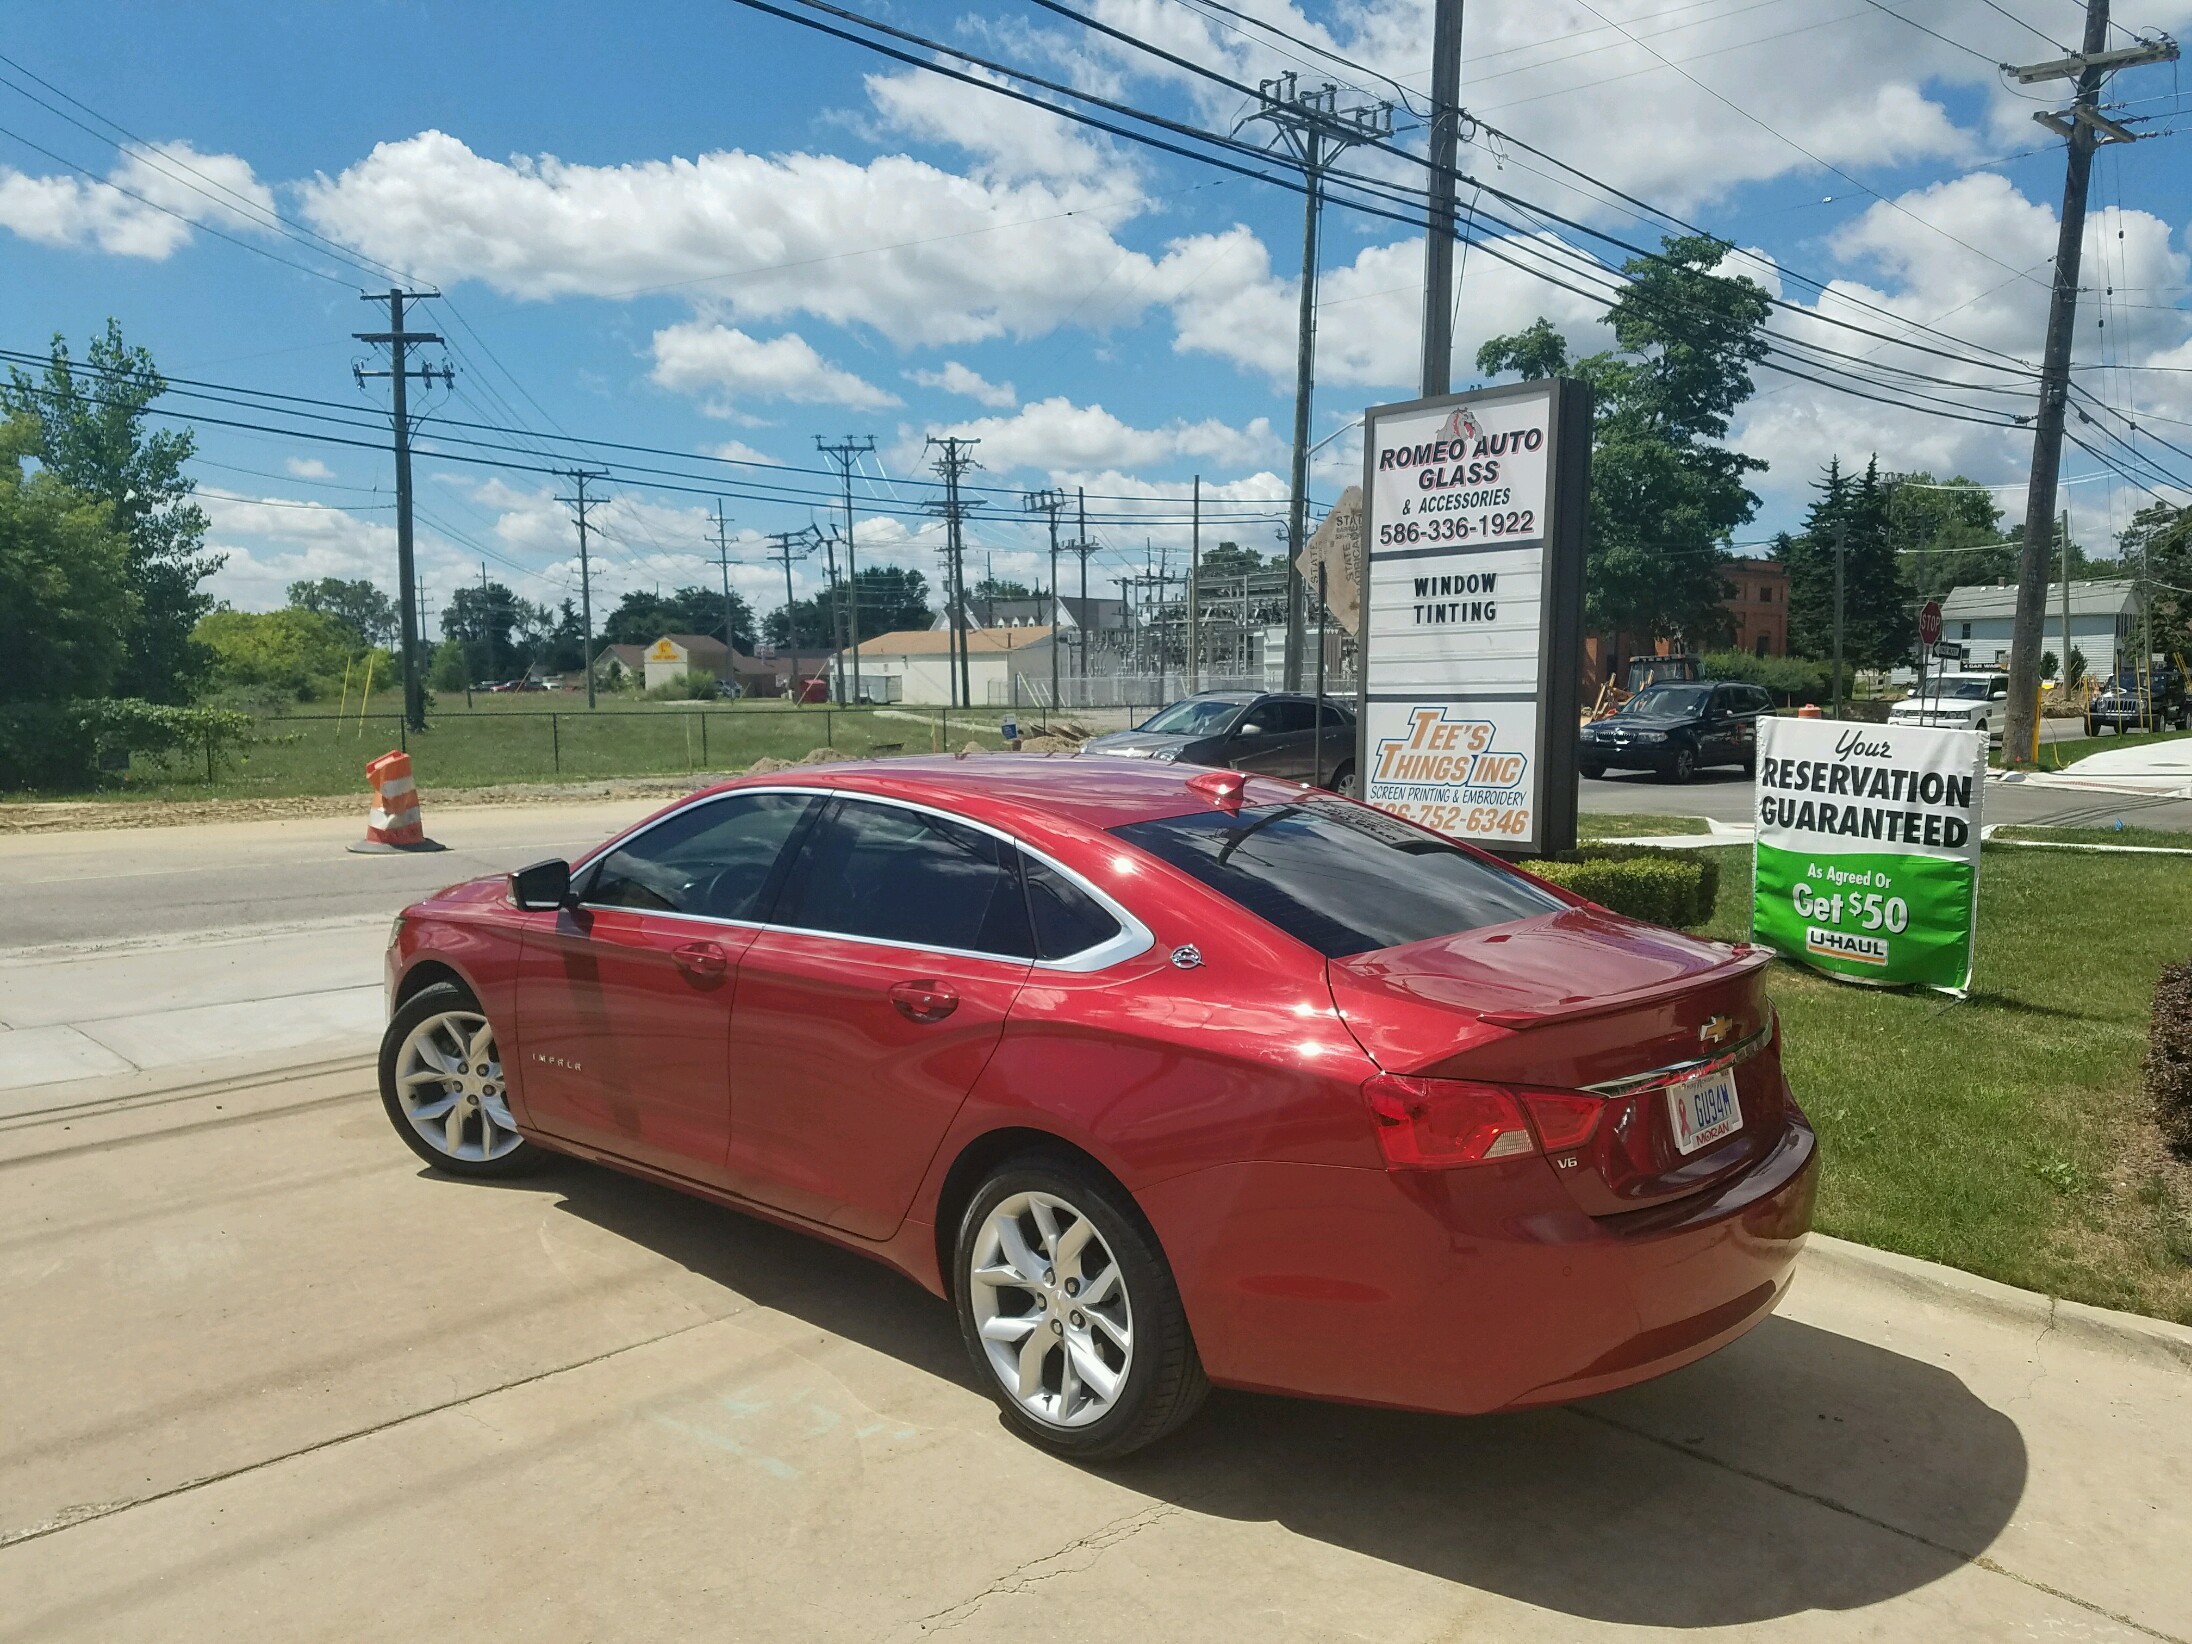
(264, 1376)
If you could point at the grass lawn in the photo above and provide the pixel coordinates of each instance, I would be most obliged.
(2006, 1133)
(545, 737)
(1617, 825)
(2167, 838)
(2055, 755)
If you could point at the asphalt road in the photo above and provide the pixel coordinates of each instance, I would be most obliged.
(264, 1376)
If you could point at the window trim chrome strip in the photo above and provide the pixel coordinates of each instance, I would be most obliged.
(1134, 937)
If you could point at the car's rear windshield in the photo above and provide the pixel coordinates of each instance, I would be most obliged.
(1339, 877)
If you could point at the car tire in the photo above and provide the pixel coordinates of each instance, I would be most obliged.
(1592, 770)
(1343, 782)
(2092, 728)
(1681, 766)
(465, 1130)
(1142, 1340)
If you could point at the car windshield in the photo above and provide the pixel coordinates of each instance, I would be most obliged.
(1667, 702)
(1339, 877)
(1967, 690)
(1196, 716)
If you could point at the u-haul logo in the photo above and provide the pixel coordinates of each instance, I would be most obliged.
(1835, 944)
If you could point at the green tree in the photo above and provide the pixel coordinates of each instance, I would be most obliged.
(91, 434)
(1666, 491)
(643, 616)
(1947, 534)
(2157, 549)
(451, 669)
(892, 599)
(483, 620)
(358, 605)
(65, 594)
(299, 653)
(1879, 626)
(1000, 588)
(1230, 559)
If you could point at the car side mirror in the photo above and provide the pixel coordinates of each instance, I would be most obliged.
(1999, 696)
(543, 887)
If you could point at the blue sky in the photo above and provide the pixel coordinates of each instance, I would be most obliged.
(707, 230)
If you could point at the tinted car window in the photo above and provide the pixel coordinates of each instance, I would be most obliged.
(1291, 714)
(1667, 702)
(901, 876)
(1067, 919)
(1338, 877)
(713, 858)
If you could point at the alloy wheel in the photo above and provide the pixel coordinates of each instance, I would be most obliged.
(1052, 1309)
(449, 1083)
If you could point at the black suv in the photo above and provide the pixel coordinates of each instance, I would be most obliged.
(1677, 729)
(2123, 705)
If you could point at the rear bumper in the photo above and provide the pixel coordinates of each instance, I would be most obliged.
(1472, 1290)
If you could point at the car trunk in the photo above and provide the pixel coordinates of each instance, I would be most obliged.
(1583, 1000)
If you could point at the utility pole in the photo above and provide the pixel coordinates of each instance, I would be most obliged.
(845, 453)
(784, 541)
(1438, 240)
(1083, 547)
(1314, 130)
(1195, 591)
(1051, 502)
(955, 461)
(400, 376)
(723, 560)
(837, 626)
(2084, 128)
(2064, 526)
(581, 503)
(1841, 552)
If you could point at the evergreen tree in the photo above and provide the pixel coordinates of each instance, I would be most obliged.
(1879, 626)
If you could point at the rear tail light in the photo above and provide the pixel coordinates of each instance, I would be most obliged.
(1432, 1124)
(1564, 1119)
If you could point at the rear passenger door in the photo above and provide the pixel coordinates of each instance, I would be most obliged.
(866, 1012)
(1283, 740)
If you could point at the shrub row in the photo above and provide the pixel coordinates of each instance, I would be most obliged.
(1662, 887)
(74, 745)
(1789, 679)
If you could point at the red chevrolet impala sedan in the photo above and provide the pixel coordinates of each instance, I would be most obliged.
(1162, 1077)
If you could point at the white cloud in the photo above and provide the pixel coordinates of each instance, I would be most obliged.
(958, 379)
(719, 360)
(1056, 436)
(145, 207)
(740, 451)
(308, 468)
(920, 254)
(1011, 139)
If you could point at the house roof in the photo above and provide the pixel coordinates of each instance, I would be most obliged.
(1979, 604)
(937, 641)
(696, 646)
(633, 657)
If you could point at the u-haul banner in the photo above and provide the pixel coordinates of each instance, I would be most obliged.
(1868, 848)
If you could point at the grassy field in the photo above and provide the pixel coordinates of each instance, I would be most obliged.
(2166, 838)
(2006, 1133)
(1618, 825)
(2055, 755)
(548, 737)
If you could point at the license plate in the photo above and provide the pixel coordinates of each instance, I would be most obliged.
(1704, 1109)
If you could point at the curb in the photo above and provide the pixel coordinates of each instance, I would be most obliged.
(2156, 1342)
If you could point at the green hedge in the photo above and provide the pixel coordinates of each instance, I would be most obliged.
(1675, 888)
(71, 746)
(1789, 679)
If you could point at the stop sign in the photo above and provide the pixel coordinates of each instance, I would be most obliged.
(1929, 622)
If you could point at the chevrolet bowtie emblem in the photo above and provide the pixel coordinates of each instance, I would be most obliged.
(1717, 1031)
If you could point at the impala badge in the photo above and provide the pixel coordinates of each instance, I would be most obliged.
(1717, 1031)
(1187, 956)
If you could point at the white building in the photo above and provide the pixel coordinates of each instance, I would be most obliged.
(1005, 666)
(2104, 624)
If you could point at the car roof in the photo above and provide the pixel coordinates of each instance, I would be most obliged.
(1021, 789)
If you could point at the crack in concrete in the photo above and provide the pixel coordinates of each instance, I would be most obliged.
(1024, 1577)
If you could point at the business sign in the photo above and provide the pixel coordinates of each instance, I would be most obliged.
(1868, 848)
(1472, 612)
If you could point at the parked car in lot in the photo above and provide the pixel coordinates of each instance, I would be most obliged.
(1162, 1077)
(1273, 733)
(1957, 701)
(2130, 703)
(1677, 730)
